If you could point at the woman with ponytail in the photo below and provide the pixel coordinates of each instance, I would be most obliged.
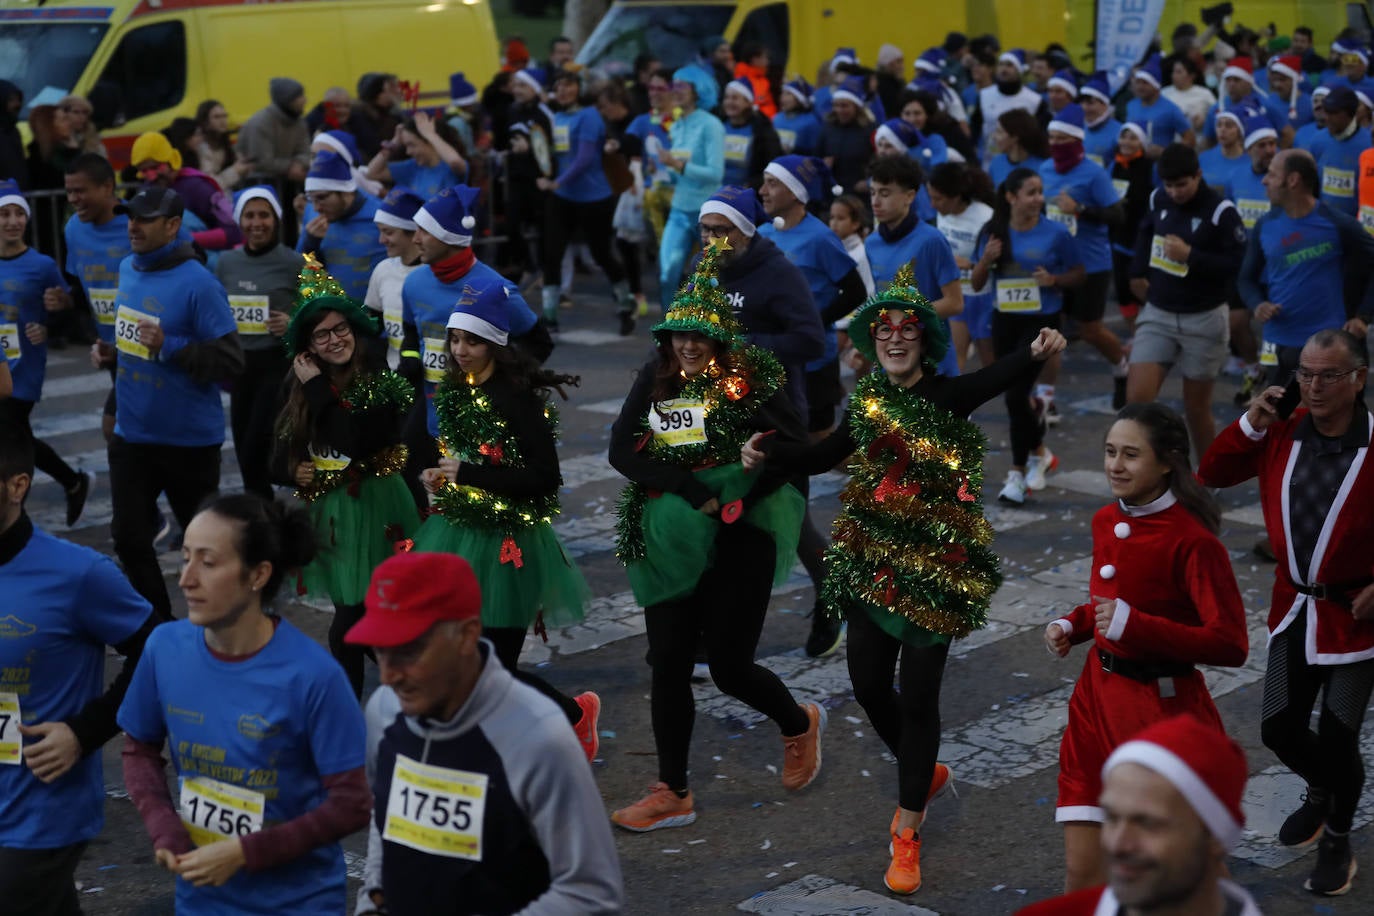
(1163, 600)
(264, 734)
(959, 193)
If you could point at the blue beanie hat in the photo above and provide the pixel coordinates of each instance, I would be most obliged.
(737, 204)
(461, 92)
(1069, 121)
(899, 133)
(483, 312)
(10, 194)
(1098, 87)
(343, 143)
(398, 209)
(708, 94)
(807, 177)
(330, 172)
(448, 215)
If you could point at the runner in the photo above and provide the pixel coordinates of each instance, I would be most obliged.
(64, 605)
(1338, 152)
(515, 822)
(1028, 260)
(703, 541)
(339, 442)
(937, 573)
(1164, 122)
(799, 130)
(1134, 179)
(1163, 600)
(957, 193)
(750, 140)
(1101, 128)
(494, 494)
(695, 162)
(260, 279)
(32, 287)
(395, 220)
(341, 234)
(265, 739)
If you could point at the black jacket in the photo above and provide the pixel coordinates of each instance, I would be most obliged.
(1211, 226)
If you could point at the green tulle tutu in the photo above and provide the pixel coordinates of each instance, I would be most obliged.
(546, 578)
(680, 542)
(355, 534)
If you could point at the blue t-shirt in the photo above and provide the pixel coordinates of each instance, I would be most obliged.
(799, 132)
(1099, 143)
(1091, 186)
(157, 402)
(426, 303)
(932, 262)
(1339, 170)
(1001, 167)
(1164, 122)
(63, 605)
(93, 257)
(275, 723)
(821, 257)
(739, 145)
(350, 248)
(571, 129)
(645, 126)
(1245, 189)
(427, 182)
(23, 280)
(1307, 137)
(1047, 244)
(1217, 169)
(1303, 275)
(1275, 110)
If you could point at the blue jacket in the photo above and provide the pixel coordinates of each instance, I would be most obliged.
(703, 136)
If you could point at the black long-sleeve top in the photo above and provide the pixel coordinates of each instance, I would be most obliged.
(626, 456)
(523, 411)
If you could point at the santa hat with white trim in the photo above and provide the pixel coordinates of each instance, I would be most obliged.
(398, 209)
(843, 57)
(807, 177)
(741, 87)
(1137, 130)
(532, 77)
(853, 89)
(11, 195)
(1064, 80)
(1098, 87)
(330, 172)
(1150, 71)
(1242, 68)
(1201, 762)
(932, 61)
(1069, 120)
(739, 205)
(257, 192)
(799, 89)
(1016, 57)
(483, 312)
(1290, 65)
(461, 93)
(1257, 127)
(899, 133)
(448, 215)
(341, 142)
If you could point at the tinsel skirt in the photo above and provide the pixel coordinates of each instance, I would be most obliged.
(355, 532)
(519, 580)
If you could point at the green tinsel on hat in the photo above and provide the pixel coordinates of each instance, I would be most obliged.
(316, 293)
(901, 294)
(702, 306)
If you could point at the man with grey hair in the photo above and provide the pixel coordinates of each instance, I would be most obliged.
(1315, 487)
(335, 112)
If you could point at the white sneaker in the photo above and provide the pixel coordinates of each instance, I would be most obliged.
(1014, 490)
(1037, 467)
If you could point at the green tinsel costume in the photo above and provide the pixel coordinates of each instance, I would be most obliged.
(360, 506)
(665, 543)
(911, 544)
(509, 540)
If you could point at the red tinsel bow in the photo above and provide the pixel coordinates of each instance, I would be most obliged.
(890, 592)
(510, 553)
(492, 451)
(890, 485)
(410, 92)
(964, 494)
(955, 554)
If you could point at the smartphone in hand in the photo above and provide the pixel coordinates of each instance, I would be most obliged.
(1292, 397)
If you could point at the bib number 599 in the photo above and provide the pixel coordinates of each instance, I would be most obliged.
(675, 419)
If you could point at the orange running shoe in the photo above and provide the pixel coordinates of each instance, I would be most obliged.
(587, 735)
(801, 760)
(941, 781)
(660, 808)
(904, 874)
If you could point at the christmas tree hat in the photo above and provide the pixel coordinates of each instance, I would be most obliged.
(702, 306)
(900, 295)
(316, 293)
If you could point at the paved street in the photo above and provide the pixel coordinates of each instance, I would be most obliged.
(756, 848)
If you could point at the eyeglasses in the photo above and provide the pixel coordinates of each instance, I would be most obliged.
(909, 329)
(1306, 376)
(342, 331)
(714, 232)
(315, 197)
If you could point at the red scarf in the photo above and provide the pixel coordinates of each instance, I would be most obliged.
(454, 267)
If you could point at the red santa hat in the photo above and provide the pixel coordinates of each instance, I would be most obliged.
(1241, 68)
(1290, 65)
(1201, 762)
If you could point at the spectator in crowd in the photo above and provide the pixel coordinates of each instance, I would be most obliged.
(276, 138)
(375, 119)
(184, 136)
(13, 162)
(216, 154)
(434, 157)
(645, 66)
(799, 130)
(719, 59)
(891, 76)
(464, 112)
(208, 211)
(561, 54)
(1187, 91)
(82, 136)
(334, 112)
(49, 150)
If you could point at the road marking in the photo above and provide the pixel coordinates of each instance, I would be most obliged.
(817, 895)
(587, 338)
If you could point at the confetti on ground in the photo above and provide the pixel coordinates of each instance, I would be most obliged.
(695, 842)
(853, 720)
(607, 733)
(865, 772)
(671, 851)
(789, 864)
(767, 844)
(770, 768)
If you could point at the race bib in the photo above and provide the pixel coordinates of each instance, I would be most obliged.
(562, 138)
(1093, 158)
(11, 742)
(9, 340)
(1251, 211)
(1367, 217)
(966, 280)
(102, 303)
(1122, 186)
(681, 421)
(214, 811)
(436, 810)
(736, 148)
(789, 140)
(1067, 220)
(330, 459)
(391, 321)
(1338, 182)
(1021, 295)
(681, 155)
(250, 313)
(1159, 261)
(1269, 354)
(126, 332)
(434, 357)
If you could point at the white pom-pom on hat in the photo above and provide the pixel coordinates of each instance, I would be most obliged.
(779, 223)
(469, 221)
(837, 189)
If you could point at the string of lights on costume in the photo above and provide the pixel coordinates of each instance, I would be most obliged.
(664, 542)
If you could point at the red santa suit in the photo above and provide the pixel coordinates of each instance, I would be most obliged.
(1100, 901)
(1177, 604)
(1341, 560)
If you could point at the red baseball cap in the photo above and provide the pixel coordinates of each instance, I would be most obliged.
(410, 593)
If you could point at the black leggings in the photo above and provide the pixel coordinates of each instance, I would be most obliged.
(725, 614)
(349, 656)
(563, 217)
(1328, 758)
(629, 256)
(508, 641)
(252, 408)
(1011, 332)
(908, 721)
(15, 412)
